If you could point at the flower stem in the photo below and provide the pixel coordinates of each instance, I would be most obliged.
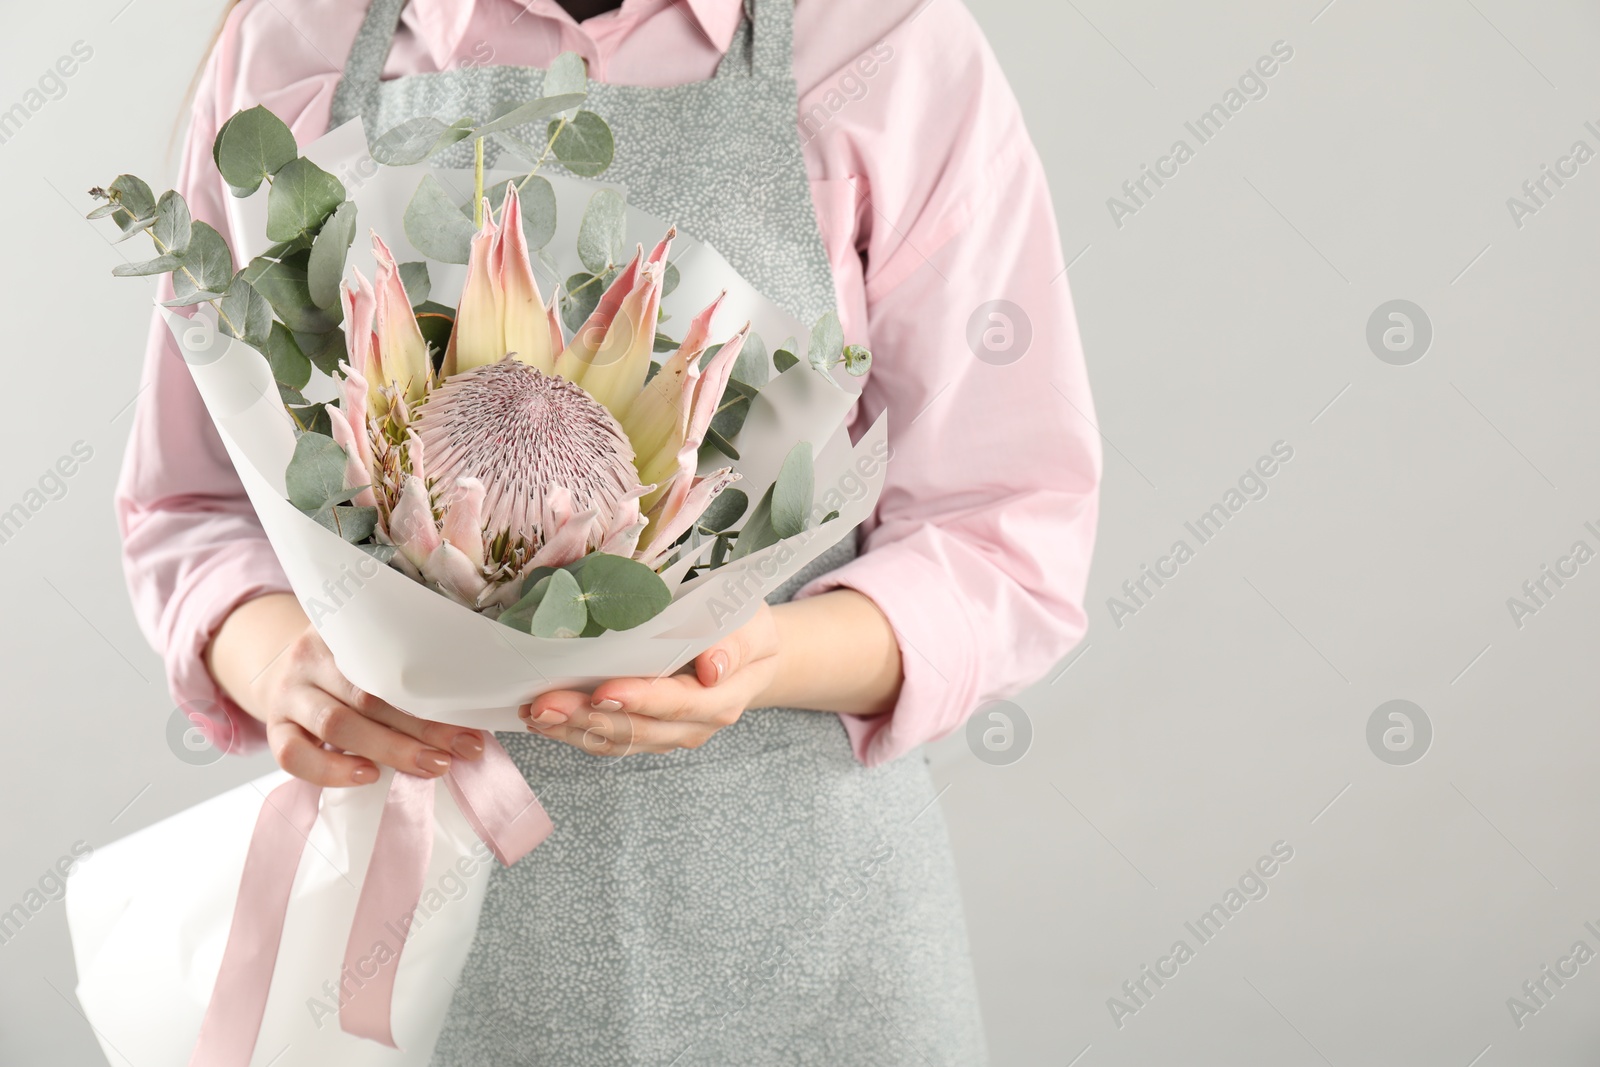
(477, 181)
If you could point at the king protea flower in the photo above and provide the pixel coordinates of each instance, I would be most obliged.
(524, 450)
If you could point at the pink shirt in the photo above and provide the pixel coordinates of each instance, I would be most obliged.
(931, 201)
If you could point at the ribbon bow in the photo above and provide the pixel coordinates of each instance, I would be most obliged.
(498, 805)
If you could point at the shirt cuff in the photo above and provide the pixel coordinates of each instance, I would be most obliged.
(910, 583)
(246, 571)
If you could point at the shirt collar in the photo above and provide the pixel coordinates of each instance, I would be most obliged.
(442, 23)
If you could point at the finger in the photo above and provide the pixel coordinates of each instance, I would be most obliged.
(304, 757)
(346, 729)
(459, 740)
(675, 698)
(555, 707)
(641, 735)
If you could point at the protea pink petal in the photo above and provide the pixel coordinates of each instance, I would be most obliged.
(575, 358)
(463, 522)
(569, 542)
(356, 396)
(453, 572)
(672, 482)
(658, 255)
(708, 394)
(557, 343)
(618, 369)
(478, 336)
(355, 472)
(527, 329)
(411, 525)
(401, 348)
(417, 454)
(621, 537)
(658, 418)
(360, 303)
(668, 527)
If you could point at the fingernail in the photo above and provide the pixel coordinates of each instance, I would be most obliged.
(719, 660)
(467, 746)
(607, 705)
(433, 763)
(550, 717)
(364, 774)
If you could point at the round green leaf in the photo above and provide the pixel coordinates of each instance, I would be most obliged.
(603, 231)
(316, 472)
(418, 138)
(302, 196)
(554, 607)
(207, 264)
(520, 113)
(619, 592)
(727, 508)
(286, 286)
(173, 225)
(792, 492)
(252, 146)
(289, 364)
(435, 225)
(584, 145)
(827, 342)
(567, 74)
(325, 350)
(135, 202)
(414, 277)
(325, 268)
(245, 313)
(857, 360)
(757, 532)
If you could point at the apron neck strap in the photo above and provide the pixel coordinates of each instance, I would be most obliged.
(763, 46)
(357, 91)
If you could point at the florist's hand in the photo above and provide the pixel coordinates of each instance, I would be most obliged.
(683, 710)
(305, 701)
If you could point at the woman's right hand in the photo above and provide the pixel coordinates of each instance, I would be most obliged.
(270, 659)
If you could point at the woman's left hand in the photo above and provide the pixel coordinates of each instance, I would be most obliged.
(627, 715)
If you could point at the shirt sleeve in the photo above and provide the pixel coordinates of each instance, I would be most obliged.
(978, 551)
(192, 548)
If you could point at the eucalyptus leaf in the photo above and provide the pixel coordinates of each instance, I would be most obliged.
(567, 75)
(512, 115)
(436, 321)
(286, 285)
(669, 279)
(251, 146)
(579, 296)
(664, 343)
(727, 508)
(719, 551)
(733, 408)
(537, 200)
(715, 441)
(351, 522)
(416, 139)
(292, 398)
(757, 532)
(325, 266)
(583, 145)
(826, 344)
(302, 196)
(434, 223)
(554, 607)
(104, 210)
(830, 516)
(199, 296)
(414, 276)
(207, 264)
(783, 359)
(753, 367)
(313, 417)
(135, 202)
(325, 350)
(289, 364)
(603, 232)
(793, 491)
(857, 360)
(245, 313)
(316, 471)
(620, 593)
(158, 265)
(173, 225)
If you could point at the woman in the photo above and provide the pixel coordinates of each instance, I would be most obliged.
(748, 864)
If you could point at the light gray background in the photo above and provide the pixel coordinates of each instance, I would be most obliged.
(1228, 714)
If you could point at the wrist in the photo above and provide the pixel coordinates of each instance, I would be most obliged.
(249, 640)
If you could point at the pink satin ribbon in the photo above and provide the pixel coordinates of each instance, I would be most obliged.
(498, 805)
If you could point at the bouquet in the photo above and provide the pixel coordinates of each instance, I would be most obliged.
(475, 502)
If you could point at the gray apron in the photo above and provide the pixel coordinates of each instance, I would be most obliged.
(763, 899)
